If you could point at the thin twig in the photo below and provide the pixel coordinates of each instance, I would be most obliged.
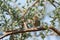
(30, 7)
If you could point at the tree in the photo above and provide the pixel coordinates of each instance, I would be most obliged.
(20, 22)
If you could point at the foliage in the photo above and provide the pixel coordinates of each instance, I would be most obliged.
(11, 18)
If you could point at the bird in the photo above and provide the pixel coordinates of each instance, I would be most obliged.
(36, 21)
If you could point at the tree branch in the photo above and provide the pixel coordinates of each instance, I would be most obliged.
(22, 31)
(55, 30)
(29, 30)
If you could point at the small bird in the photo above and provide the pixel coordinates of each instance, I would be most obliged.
(36, 21)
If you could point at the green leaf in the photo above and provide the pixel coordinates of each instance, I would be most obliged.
(42, 35)
(1, 2)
